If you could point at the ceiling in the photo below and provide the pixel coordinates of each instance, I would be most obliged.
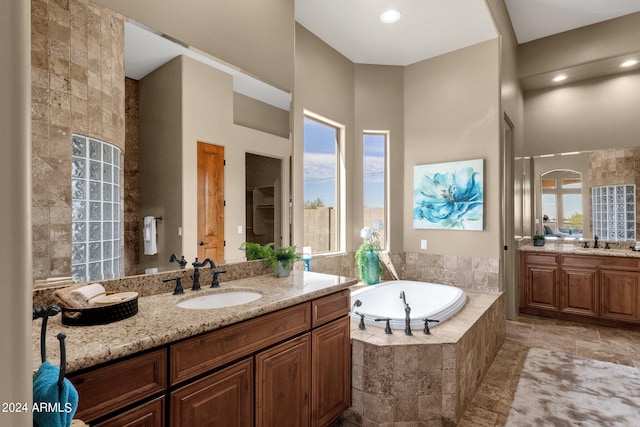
(426, 29)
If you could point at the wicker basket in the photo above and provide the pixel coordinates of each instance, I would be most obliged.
(99, 315)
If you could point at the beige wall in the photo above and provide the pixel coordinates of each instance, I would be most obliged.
(208, 117)
(160, 133)
(255, 35)
(325, 86)
(588, 115)
(452, 112)
(182, 103)
(583, 45)
(15, 228)
(379, 105)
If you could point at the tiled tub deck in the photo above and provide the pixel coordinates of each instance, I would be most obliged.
(425, 380)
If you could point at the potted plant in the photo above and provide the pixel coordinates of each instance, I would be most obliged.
(255, 251)
(281, 259)
(367, 258)
(538, 239)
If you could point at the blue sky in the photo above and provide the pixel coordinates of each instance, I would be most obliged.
(320, 168)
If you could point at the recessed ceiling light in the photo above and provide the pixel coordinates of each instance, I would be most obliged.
(629, 63)
(559, 78)
(390, 16)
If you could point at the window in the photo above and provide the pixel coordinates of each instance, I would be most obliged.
(322, 185)
(95, 209)
(374, 145)
(614, 212)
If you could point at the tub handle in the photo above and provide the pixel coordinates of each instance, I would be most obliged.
(426, 330)
(387, 328)
(361, 325)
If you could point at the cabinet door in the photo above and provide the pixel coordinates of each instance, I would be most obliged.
(150, 414)
(542, 287)
(331, 372)
(619, 295)
(224, 398)
(580, 291)
(283, 384)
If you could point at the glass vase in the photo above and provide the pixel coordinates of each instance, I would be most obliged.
(371, 270)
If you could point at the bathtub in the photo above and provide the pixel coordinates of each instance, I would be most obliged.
(426, 300)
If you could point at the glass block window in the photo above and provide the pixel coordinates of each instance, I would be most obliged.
(614, 212)
(95, 212)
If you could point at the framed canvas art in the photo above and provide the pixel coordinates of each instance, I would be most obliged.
(449, 196)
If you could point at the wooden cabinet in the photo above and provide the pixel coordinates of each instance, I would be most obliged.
(539, 278)
(112, 387)
(331, 371)
(619, 294)
(286, 368)
(224, 398)
(597, 289)
(150, 414)
(283, 384)
(580, 291)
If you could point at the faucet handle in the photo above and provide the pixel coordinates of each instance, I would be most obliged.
(387, 328)
(178, 290)
(215, 283)
(426, 330)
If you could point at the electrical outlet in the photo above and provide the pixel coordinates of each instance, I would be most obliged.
(423, 244)
(239, 229)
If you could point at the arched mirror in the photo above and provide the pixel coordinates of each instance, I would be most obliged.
(562, 204)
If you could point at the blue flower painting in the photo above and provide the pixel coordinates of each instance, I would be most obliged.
(448, 195)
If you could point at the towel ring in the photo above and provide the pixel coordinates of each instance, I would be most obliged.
(45, 313)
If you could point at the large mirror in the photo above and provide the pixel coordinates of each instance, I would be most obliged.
(580, 195)
(189, 96)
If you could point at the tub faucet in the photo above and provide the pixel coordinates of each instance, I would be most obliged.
(407, 315)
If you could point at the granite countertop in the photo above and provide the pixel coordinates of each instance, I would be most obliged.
(159, 321)
(570, 248)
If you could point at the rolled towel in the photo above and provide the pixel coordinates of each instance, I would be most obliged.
(60, 403)
(82, 296)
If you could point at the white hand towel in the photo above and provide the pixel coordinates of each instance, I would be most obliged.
(82, 296)
(150, 241)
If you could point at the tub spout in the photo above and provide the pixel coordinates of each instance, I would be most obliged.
(407, 315)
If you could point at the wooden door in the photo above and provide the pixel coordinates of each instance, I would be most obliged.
(211, 202)
(330, 372)
(283, 384)
(224, 398)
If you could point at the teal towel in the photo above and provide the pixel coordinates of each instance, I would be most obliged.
(53, 406)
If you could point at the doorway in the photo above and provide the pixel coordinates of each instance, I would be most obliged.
(211, 202)
(508, 255)
(263, 199)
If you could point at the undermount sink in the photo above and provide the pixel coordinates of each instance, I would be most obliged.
(220, 300)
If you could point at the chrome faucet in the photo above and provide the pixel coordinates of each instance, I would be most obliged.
(407, 315)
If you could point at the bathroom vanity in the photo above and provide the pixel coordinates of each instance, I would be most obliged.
(592, 285)
(284, 359)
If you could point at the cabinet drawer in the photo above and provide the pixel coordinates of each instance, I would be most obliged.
(150, 414)
(109, 388)
(331, 307)
(535, 258)
(588, 261)
(210, 350)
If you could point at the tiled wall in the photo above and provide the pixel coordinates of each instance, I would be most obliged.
(467, 272)
(615, 166)
(131, 191)
(77, 72)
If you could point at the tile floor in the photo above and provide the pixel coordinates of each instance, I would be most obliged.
(491, 403)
